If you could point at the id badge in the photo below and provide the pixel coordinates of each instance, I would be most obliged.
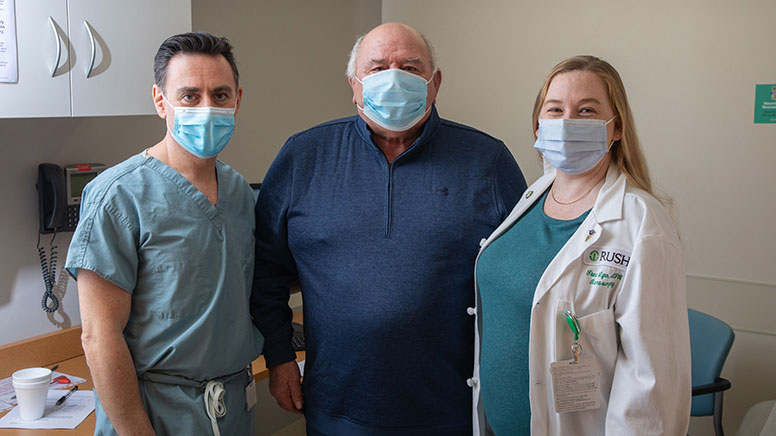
(576, 384)
(250, 395)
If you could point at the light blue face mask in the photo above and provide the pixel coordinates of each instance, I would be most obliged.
(573, 146)
(394, 99)
(202, 131)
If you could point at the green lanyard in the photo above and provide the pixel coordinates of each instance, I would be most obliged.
(571, 320)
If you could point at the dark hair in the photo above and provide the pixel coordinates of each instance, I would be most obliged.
(192, 43)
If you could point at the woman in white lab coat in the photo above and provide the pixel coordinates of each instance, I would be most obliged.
(581, 317)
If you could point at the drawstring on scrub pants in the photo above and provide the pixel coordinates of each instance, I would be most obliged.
(214, 392)
(214, 403)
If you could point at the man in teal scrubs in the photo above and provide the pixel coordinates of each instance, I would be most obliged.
(163, 256)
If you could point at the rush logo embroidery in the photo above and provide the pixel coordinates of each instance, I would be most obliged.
(605, 256)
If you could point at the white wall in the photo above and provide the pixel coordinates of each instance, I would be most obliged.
(690, 69)
(25, 144)
(292, 58)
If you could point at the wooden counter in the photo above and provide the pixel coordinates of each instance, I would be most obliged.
(63, 348)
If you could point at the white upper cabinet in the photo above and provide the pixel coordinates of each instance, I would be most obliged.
(43, 89)
(124, 36)
(106, 53)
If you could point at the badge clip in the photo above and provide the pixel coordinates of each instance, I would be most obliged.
(576, 349)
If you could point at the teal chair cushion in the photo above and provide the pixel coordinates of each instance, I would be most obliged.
(710, 342)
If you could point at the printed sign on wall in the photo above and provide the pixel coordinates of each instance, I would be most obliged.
(9, 72)
(765, 104)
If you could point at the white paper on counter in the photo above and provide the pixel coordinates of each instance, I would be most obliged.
(68, 415)
(8, 395)
(9, 70)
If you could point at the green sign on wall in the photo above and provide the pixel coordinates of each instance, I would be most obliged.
(765, 104)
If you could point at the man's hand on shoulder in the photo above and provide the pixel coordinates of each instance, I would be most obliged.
(285, 385)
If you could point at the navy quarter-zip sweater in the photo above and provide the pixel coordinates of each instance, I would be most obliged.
(384, 253)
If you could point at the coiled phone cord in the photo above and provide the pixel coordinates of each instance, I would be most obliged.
(48, 269)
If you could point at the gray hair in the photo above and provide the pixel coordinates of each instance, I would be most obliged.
(350, 72)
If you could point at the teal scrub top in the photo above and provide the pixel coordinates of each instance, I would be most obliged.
(508, 271)
(188, 265)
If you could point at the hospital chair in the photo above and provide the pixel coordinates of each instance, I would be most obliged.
(710, 342)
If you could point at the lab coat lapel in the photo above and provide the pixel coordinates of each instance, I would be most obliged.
(533, 193)
(608, 206)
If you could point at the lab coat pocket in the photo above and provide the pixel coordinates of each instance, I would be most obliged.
(598, 337)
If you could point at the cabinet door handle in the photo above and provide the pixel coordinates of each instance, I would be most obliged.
(59, 46)
(94, 48)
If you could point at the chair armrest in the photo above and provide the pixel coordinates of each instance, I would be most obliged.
(719, 385)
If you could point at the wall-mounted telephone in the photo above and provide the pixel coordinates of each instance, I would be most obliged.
(59, 194)
(59, 199)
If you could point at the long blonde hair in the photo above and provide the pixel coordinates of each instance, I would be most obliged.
(626, 153)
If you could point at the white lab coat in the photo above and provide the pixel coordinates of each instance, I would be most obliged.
(635, 326)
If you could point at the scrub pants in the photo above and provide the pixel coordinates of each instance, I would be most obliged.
(180, 410)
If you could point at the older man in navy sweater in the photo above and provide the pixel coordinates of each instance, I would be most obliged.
(379, 216)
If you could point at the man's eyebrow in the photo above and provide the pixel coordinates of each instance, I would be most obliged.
(373, 62)
(223, 88)
(187, 89)
(194, 89)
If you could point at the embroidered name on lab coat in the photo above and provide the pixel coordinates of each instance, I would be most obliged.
(606, 256)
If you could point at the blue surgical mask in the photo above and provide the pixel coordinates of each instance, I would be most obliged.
(394, 99)
(202, 131)
(573, 146)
